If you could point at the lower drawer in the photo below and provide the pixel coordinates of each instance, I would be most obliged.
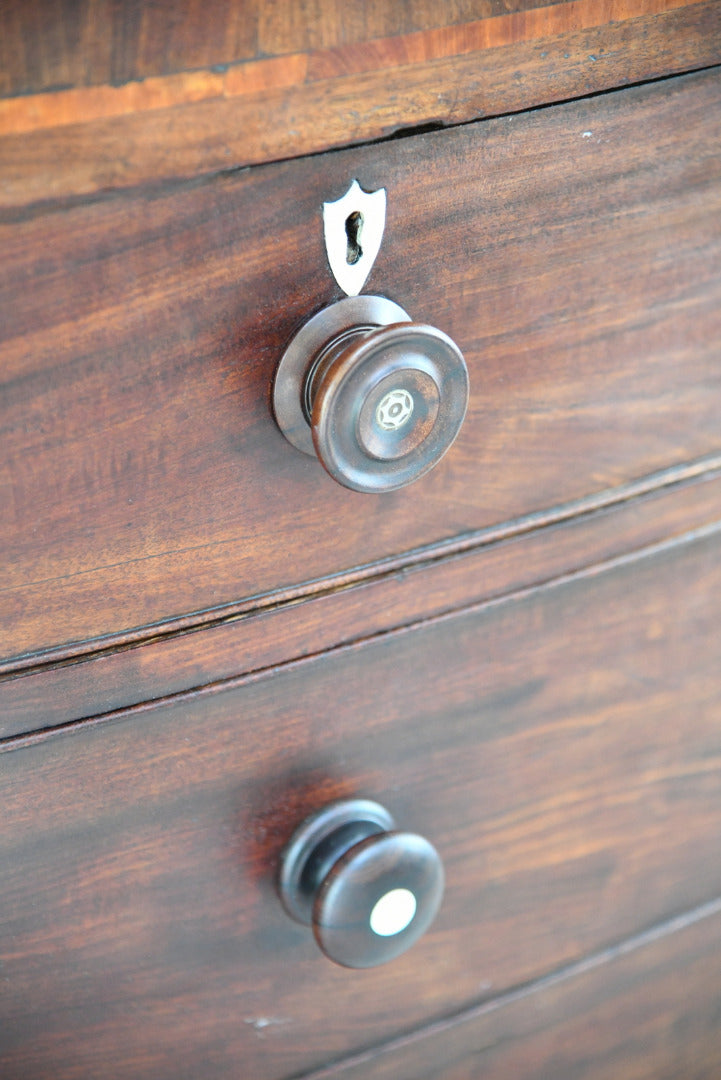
(647, 1011)
(560, 749)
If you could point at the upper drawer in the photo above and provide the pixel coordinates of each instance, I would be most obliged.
(573, 253)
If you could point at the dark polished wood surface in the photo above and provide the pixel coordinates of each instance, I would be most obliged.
(560, 750)
(478, 568)
(202, 639)
(143, 476)
(193, 123)
(647, 1010)
(45, 45)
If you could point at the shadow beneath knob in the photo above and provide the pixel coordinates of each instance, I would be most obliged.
(270, 811)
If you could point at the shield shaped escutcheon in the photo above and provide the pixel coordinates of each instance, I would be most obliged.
(353, 228)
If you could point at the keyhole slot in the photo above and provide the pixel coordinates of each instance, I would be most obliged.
(353, 227)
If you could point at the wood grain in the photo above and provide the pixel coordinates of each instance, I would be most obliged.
(475, 570)
(646, 1010)
(143, 478)
(45, 44)
(204, 121)
(80, 105)
(559, 752)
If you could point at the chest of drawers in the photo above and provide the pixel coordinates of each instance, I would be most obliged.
(206, 639)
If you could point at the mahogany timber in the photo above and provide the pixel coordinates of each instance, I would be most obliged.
(645, 1010)
(44, 45)
(195, 123)
(477, 569)
(573, 253)
(559, 750)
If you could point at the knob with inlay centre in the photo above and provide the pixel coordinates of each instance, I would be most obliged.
(368, 891)
(377, 398)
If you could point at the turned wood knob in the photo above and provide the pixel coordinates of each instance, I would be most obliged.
(377, 398)
(367, 890)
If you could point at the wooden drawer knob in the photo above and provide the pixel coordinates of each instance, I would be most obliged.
(368, 891)
(377, 398)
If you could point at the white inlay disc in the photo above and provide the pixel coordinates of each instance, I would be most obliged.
(393, 912)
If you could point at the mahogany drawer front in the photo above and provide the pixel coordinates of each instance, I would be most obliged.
(559, 749)
(573, 253)
(647, 1010)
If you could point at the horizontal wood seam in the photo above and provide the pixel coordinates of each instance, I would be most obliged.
(15, 214)
(675, 476)
(221, 134)
(589, 963)
(18, 742)
(69, 107)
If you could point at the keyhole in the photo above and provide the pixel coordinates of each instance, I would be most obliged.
(353, 226)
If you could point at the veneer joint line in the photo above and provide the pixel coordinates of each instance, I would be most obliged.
(677, 476)
(702, 470)
(19, 742)
(163, 186)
